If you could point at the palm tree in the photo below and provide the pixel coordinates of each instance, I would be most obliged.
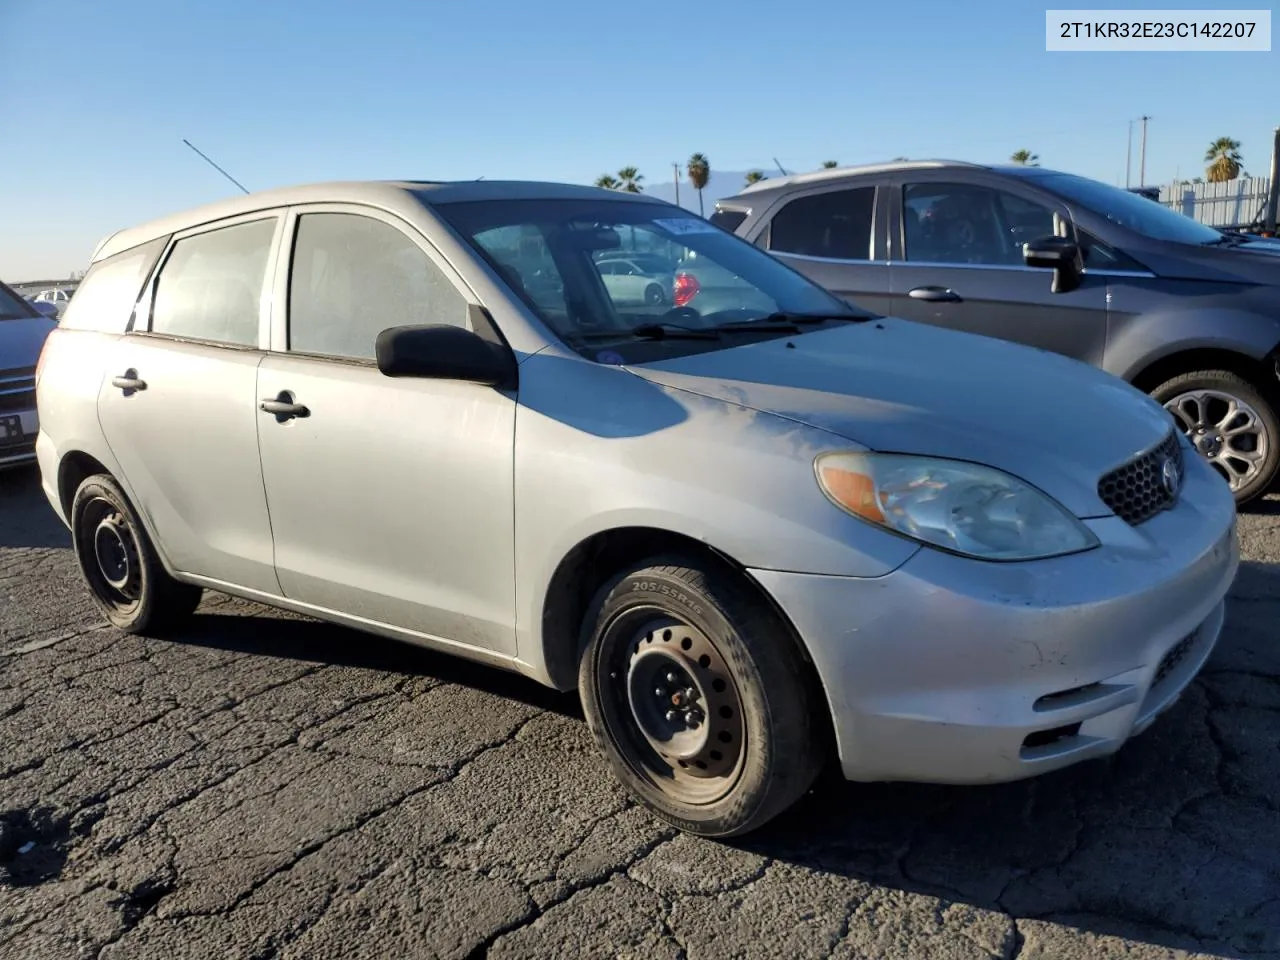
(755, 176)
(1025, 158)
(607, 181)
(830, 164)
(629, 180)
(699, 170)
(1223, 157)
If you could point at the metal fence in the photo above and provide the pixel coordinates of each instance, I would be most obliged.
(1236, 203)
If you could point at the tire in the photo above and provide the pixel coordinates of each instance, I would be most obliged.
(759, 743)
(653, 295)
(118, 562)
(1199, 401)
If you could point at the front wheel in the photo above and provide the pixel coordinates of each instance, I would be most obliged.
(699, 698)
(1231, 423)
(124, 574)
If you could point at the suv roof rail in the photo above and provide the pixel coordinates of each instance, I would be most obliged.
(835, 173)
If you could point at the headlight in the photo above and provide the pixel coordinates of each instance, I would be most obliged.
(960, 507)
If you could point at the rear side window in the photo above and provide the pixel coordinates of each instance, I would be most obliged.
(835, 225)
(353, 277)
(729, 220)
(106, 296)
(210, 288)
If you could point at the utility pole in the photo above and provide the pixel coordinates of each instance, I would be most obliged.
(1142, 164)
(675, 171)
(1273, 191)
(1128, 156)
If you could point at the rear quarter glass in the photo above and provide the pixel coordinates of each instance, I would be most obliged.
(105, 299)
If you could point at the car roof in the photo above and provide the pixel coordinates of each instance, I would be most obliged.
(390, 195)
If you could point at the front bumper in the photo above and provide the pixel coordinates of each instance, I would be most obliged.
(19, 449)
(951, 670)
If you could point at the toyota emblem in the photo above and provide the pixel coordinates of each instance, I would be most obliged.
(1170, 477)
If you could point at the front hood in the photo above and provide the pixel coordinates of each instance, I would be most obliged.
(901, 387)
(1255, 261)
(21, 340)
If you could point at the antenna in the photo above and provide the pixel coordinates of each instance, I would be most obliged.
(215, 166)
(779, 166)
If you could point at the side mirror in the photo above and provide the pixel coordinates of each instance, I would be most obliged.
(1060, 255)
(444, 352)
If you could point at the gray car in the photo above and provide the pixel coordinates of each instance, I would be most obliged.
(1182, 311)
(756, 532)
(23, 329)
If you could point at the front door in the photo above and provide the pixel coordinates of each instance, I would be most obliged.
(391, 500)
(177, 406)
(961, 267)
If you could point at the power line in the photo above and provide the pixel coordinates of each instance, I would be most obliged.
(215, 166)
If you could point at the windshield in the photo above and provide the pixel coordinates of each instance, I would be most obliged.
(574, 262)
(13, 307)
(1136, 213)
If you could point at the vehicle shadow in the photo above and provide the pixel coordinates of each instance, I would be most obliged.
(26, 519)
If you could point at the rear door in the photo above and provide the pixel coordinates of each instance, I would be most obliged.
(831, 235)
(391, 498)
(178, 405)
(957, 262)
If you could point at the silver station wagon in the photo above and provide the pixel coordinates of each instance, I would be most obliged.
(756, 528)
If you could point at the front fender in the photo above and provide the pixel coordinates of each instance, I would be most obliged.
(1148, 338)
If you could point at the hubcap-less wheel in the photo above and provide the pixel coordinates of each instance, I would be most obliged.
(686, 714)
(116, 575)
(1226, 431)
(653, 294)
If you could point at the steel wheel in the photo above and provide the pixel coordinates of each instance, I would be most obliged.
(115, 574)
(685, 711)
(653, 294)
(1226, 430)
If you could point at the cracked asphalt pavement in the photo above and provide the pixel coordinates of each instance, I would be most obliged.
(271, 787)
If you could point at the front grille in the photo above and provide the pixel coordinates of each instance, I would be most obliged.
(1136, 491)
(17, 390)
(1174, 657)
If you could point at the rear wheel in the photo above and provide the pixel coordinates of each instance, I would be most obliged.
(120, 565)
(699, 698)
(653, 294)
(1231, 423)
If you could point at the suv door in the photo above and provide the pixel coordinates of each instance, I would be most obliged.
(829, 235)
(957, 262)
(391, 499)
(178, 409)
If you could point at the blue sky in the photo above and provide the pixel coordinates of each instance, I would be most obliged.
(287, 92)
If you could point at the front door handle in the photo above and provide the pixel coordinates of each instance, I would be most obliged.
(934, 294)
(129, 383)
(283, 407)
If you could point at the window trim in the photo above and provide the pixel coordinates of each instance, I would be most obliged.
(145, 306)
(789, 199)
(278, 340)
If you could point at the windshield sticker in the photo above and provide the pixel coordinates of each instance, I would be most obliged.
(609, 356)
(682, 226)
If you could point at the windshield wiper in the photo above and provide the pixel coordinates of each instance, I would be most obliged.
(673, 331)
(1226, 240)
(782, 321)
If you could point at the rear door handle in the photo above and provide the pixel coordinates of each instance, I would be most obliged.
(129, 382)
(934, 294)
(283, 407)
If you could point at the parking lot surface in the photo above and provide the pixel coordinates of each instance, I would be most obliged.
(271, 787)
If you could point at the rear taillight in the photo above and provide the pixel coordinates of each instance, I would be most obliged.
(44, 352)
(685, 289)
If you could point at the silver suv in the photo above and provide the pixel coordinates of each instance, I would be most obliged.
(748, 528)
(1103, 275)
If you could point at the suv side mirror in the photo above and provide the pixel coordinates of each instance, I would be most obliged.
(444, 352)
(1059, 254)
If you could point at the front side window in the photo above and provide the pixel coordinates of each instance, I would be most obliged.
(210, 287)
(696, 276)
(835, 226)
(956, 223)
(728, 219)
(1131, 211)
(353, 277)
(13, 307)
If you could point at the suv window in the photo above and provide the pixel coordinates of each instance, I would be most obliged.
(210, 288)
(106, 296)
(1101, 256)
(968, 224)
(728, 219)
(832, 225)
(353, 277)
